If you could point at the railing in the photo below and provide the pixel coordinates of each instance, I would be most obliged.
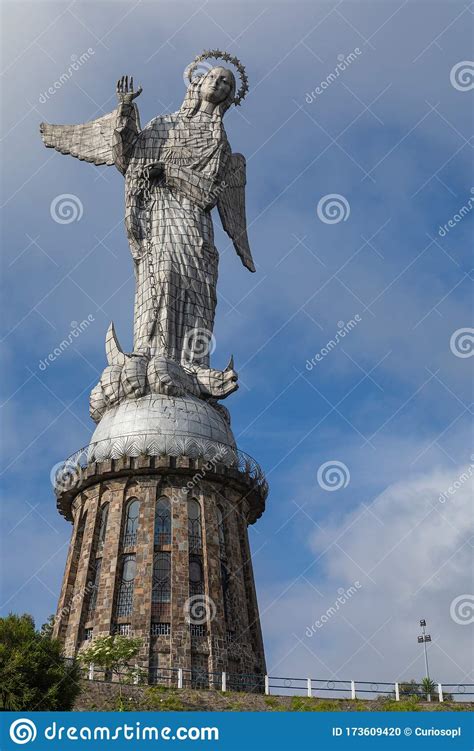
(197, 678)
(68, 474)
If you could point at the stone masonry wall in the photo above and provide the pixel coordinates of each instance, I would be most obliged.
(214, 631)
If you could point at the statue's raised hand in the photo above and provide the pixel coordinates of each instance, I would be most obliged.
(125, 92)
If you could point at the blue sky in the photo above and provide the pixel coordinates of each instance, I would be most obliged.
(392, 401)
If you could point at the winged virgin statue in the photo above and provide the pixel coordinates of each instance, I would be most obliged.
(176, 169)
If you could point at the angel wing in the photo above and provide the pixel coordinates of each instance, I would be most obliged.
(90, 142)
(231, 207)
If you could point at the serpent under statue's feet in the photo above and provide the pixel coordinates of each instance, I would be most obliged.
(130, 376)
(214, 383)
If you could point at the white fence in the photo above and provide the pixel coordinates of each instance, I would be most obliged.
(279, 686)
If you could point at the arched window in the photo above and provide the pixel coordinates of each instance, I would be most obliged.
(81, 526)
(82, 523)
(94, 586)
(161, 590)
(225, 580)
(103, 516)
(125, 592)
(162, 522)
(221, 532)
(131, 522)
(196, 577)
(194, 526)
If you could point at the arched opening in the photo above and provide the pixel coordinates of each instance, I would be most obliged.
(132, 511)
(194, 526)
(103, 517)
(126, 585)
(162, 522)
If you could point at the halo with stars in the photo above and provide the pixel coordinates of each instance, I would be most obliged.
(220, 55)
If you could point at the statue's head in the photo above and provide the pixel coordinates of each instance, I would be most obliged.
(218, 86)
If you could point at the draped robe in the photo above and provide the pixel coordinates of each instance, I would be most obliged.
(170, 231)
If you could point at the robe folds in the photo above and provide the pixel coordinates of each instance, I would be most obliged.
(170, 230)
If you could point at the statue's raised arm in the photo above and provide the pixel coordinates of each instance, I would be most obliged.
(98, 141)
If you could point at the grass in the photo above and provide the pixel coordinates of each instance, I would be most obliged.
(412, 704)
(302, 704)
(273, 703)
(162, 699)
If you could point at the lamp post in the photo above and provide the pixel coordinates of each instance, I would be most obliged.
(422, 640)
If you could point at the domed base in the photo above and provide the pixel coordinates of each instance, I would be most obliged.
(158, 425)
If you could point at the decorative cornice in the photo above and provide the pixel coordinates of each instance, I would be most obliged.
(142, 455)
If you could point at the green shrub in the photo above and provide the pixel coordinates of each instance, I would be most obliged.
(34, 674)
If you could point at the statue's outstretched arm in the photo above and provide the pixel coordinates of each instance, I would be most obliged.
(127, 125)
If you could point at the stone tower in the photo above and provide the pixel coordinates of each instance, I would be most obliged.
(160, 503)
(162, 497)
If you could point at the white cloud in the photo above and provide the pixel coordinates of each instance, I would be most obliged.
(411, 554)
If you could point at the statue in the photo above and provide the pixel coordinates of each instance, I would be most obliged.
(177, 168)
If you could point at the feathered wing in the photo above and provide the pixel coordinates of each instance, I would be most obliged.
(231, 207)
(90, 142)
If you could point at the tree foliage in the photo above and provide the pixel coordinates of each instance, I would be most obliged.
(47, 628)
(410, 688)
(422, 690)
(34, 674)
(113, 653)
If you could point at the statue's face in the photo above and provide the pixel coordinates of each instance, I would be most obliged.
(217, 85)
